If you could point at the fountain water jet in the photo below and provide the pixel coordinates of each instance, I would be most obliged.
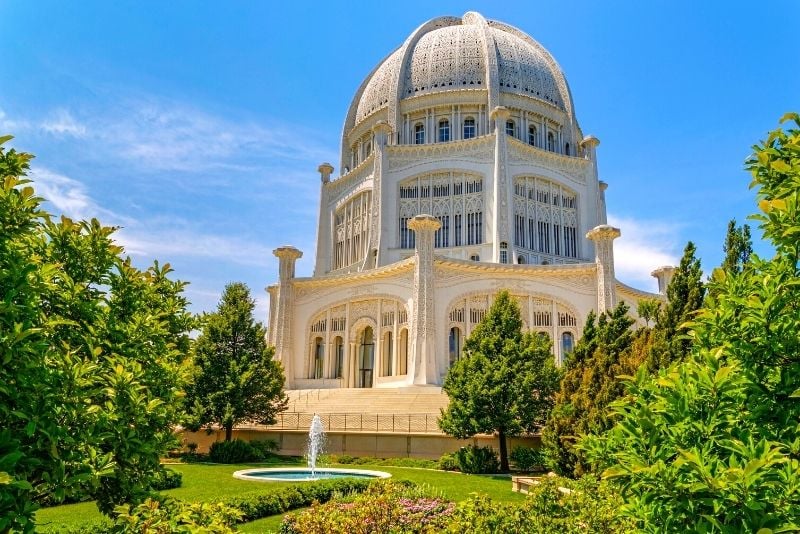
(316, 444)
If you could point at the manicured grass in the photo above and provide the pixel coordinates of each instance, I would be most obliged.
(206, 482)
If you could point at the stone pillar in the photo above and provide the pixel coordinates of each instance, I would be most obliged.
(324, 246)
(284, 308)
(664, 276)
(502, 198)
(603, 237)
(381, 132)
(602, 217)
(424, 368)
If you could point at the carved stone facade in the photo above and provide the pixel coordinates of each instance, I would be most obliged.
(463, 172)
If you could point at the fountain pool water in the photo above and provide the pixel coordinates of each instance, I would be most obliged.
(316, 444)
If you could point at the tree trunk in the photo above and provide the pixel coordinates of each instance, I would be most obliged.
(228, 431)
(501, 437)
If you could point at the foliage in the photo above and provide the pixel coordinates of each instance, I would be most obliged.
(92, 357)
(477, 460)
(527, 458)
(448, 462)
(167, 479)
(712, 444)
(346, 459)
(590, 383)
(267, 447)
(737, 248)
(649, 310)
(236, 379)
(384, 507)
(168, 516)
(256, 505)
(505, 381)
(553, 506)
(233, 452)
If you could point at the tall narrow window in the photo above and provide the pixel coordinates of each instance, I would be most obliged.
(503, 252)
(454, 344)
(532, 135)
(444, 130)
(567, 343)
(469, 128)
(319, 358)
(338, 349)
(551, 142)
(403, 352)
(419, 134)
(366, 361)
(566, 149)
(457, 241)
(388, 357)
(511, 129)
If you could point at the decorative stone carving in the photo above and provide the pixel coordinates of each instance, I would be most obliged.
(603, 237)
(424, 367)
(664, 276)
(284, 309)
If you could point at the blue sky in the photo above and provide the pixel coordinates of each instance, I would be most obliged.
(198, 126)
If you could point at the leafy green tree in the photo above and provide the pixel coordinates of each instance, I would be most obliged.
(738, 247)
(93, 358)
(589, 385)
(505, 381)
(649, 310)
(713, 443)
(237, 378)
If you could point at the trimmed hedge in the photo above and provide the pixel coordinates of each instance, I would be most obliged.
(167, 479)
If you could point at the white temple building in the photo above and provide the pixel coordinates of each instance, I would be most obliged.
(463, 172)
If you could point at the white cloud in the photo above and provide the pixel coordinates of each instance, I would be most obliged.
(61, 122)
(644, 246)
(67, 195)
(9, 125)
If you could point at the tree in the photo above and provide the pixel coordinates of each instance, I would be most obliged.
(93, 358)
(711, 445)
(505, 381)
(589, 385)
(737, 248)
(649, 310)
(237, 378)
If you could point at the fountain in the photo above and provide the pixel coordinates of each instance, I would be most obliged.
(316, 444)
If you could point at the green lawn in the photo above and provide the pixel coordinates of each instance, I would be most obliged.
(204, 482)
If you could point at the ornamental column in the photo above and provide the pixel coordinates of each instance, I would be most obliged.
(664, 276)
(423, 368)
(324, 248)
(502, 198)
(381, 132)
(284, 309)
(603, 237)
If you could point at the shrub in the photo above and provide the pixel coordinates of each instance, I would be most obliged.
(554, 506)
(192, 446)
(257, 505)
(166, 479)
(233, 452)
(448, 462)
(267, 447)
(166, 516)
(527, 458)
(385, 507)
(474, 459)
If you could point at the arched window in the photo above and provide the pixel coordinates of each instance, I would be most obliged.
(469, 128)
(419, 134)
(566, 149)
(454, 345)
(319, 358)
(551, 142)
(338, 352)
(503, 252)
(511, 128)
(532, 135)
(475, 257)
(366, 360)
(402, 363)
(388, 357)
(444, 130)
(567, 343)
(368, 150)
(521, 260)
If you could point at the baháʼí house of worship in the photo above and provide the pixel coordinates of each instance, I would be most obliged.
(463, 171)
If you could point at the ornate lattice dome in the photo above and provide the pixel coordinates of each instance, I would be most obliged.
(452, 54)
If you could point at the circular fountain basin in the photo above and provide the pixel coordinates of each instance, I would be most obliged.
(303, 474)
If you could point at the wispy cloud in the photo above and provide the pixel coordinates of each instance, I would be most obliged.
(62, 123)
(9, 125)
(68, 196)
(644, 246)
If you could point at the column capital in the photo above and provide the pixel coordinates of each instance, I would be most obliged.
(382, 127)
(602, 185)
(325, 170)
(424, 222)
(287, 252)
(590, 141)
(500, 113)
(664, 276)
(603, 232)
